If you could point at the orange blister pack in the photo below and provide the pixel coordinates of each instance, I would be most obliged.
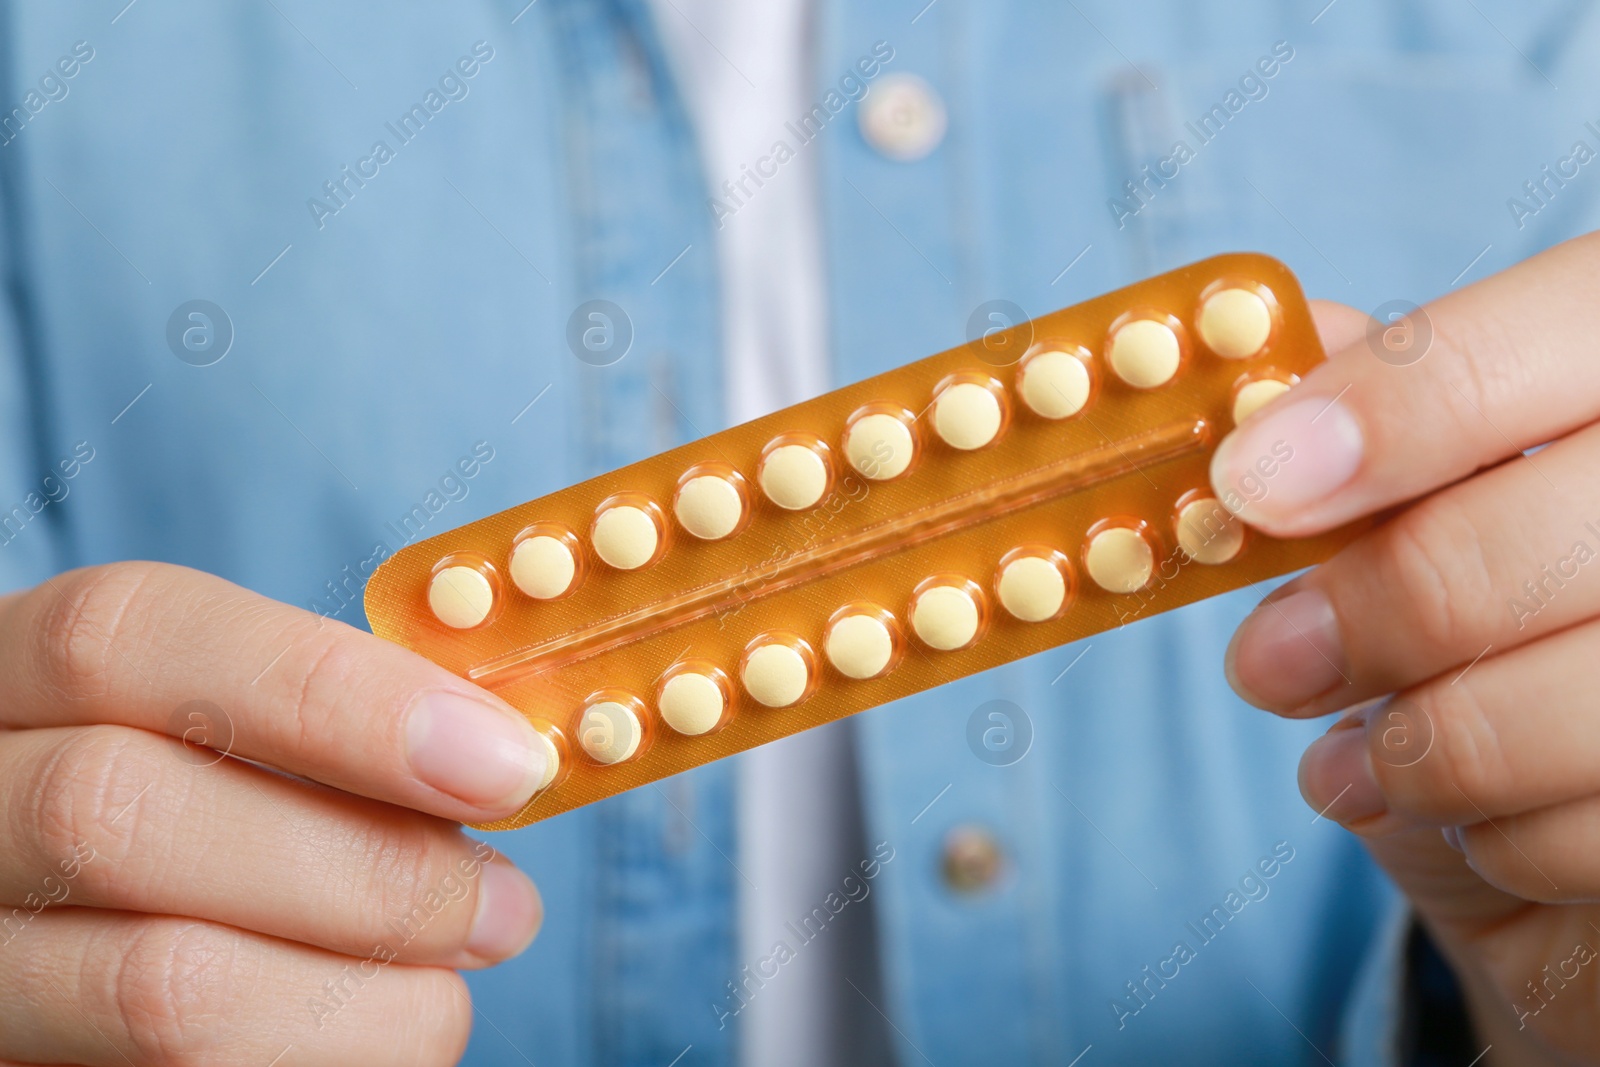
(1041, 484)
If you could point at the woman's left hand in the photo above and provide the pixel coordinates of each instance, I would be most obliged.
(1475, 611)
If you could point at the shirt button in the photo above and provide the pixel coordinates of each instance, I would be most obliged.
(972, 860)
(902, 118)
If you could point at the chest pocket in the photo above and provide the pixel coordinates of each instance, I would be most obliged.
(1377, 177)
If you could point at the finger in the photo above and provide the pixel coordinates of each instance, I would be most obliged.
(1338, 325)
(1514, 734)
(1539, 855)
(174, 650)
(1493, 937)
(1508, 368)
(1476, 569)
(112, 817)
(110, 990)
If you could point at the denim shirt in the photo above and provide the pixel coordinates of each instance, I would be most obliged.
(392, 212)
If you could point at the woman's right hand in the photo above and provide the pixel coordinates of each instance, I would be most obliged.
(161, 903)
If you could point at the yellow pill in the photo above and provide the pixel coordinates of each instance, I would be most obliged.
(709, 507)
(610, 732)
(1235, 323)
(966, 416)
(460, 597)
(1145, 353)
(1119, 560)
(543, 567)
(626, 537)
(879, 446)
(1208, 532)
(1256, 395)
(552, 760)
(691, 703)
(945, 617)
(776, 675)
(859, 646)
(1032, 588)
(1055, 385)
(793, 477)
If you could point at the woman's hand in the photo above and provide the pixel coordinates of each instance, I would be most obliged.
(163, 904)
(1477, 607)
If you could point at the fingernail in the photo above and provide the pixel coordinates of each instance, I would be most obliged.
(473, 751)
(1271, 469)
(1452, 837)
(1336, 775)
(508, 915)
(1287, 651)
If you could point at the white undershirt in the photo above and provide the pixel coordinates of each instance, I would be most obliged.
(742, 67)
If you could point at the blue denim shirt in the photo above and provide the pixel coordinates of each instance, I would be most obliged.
(393, 310)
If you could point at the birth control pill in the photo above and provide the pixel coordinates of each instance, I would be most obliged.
(1055, 384)
(1253, 396)
(794, 477)
(1119, 560)
(543, 567)
(626, 537)
(460, 596)
(967, 415)
(1208, 532)
(776, 674)
(1145, 353)
(945, 617)
(710, 507)
(552, 761)
(1235, 323)
(713, 598)
(1032, 588)
(859, 646)
(610, 731)
(880, 446)
(692, 703)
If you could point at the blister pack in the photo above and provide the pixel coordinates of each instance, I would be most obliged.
(1040, 484)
